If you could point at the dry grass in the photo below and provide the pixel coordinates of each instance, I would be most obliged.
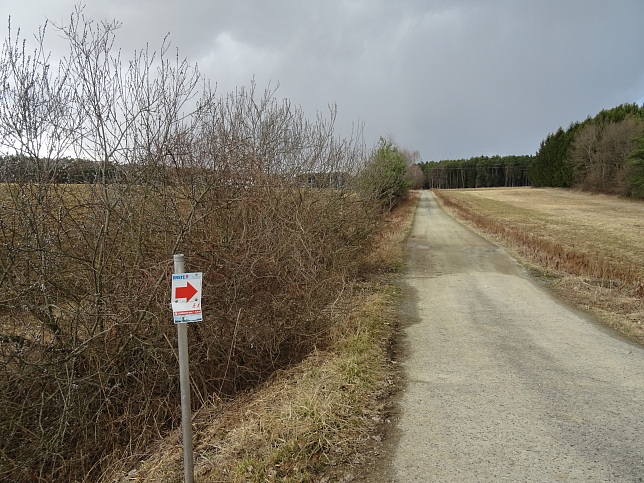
(590, 247)
(314, 422)
(87, 366)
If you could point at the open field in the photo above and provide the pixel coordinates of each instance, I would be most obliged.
(590, 248)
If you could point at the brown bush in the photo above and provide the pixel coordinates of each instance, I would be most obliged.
(87, 347)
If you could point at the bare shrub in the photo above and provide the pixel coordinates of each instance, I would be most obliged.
(87, 352)
(599, 155)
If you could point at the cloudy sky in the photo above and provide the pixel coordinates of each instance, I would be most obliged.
(449, 78)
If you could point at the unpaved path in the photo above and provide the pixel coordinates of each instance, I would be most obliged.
(504, 382)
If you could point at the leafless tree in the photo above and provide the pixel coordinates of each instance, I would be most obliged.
(600, 152)
(87, 362)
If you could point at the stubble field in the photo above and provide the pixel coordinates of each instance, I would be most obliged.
(588, 248)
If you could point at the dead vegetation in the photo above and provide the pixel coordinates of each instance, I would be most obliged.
(320, 420)
(88, 361)
(314, 416)
(255, 195)
(589, 247)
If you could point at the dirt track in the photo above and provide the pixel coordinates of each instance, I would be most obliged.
(504, 382)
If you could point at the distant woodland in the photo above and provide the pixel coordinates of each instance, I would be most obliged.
(603, 154)
(478, 172)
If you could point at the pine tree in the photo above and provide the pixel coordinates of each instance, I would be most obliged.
(637, 162)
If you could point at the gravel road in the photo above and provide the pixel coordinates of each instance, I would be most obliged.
(503, 381)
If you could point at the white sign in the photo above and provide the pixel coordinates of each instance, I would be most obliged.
(186, 297)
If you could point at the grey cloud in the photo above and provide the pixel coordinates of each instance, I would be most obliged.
(451, 79)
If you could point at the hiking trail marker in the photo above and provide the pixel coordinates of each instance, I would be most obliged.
(186, 307)
(186, 297)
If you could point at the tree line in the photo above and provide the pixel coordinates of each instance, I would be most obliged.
(477, 172)
(603, 154)
(15, 168)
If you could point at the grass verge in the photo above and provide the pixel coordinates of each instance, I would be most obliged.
(318, 421)
(588, 248)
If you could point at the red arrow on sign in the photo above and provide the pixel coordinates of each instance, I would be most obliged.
(186, 292)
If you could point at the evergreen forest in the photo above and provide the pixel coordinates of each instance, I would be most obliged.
(603, 154)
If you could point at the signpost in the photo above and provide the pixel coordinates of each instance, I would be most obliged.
(186, 307)
(186, 297)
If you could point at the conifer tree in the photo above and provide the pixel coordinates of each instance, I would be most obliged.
(637, 163)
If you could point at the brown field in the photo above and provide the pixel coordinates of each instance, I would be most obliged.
(589, 247)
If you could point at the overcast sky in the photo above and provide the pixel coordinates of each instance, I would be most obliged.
(449, 78)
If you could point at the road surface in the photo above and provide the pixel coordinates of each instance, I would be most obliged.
(503, 381)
